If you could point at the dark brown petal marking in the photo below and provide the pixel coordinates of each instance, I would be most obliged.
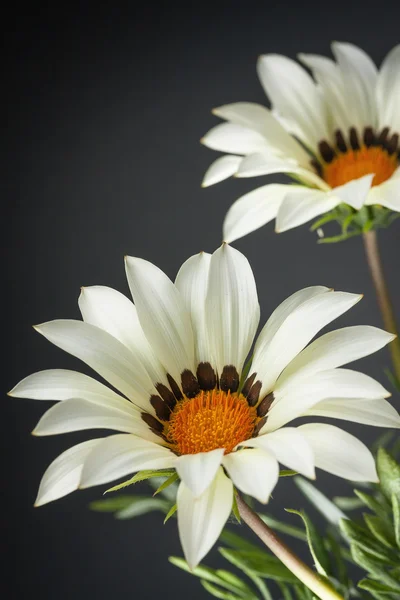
(326, 151)
(369, 137)
(392, 144)
(354, 142)
(252, 397)
(190, 385)
(317, 166)
(152, 422)
(247, 385)
(174, 387)
(259, 426)
(162, 410)
(206, 376)
(340, 141)
(166, 395)
(229, 380)
(265, 404)
(383, 136)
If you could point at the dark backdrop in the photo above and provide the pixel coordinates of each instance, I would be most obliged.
(105, 107)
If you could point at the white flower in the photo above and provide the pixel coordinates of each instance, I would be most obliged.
(337, 135)
(176, 357)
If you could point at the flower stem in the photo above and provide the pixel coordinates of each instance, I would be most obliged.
(312, 580)
(382, 293)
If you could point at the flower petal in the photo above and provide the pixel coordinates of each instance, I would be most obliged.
(339, 452)
(232, 307)
(198, 471)
(63, 475)
(253, 210)
(220, 169)
(378, 413)
(103, 353)
(289, 446)
(162, 314)
(253, 471)
(336, 348)
(115, 313)
(122, 454)
(302, 204)
(77, 414)
(386, 194)
(388, 91)
(192, 283)
(233, 138)
(201, 520)
(354, 192)
(272, 355)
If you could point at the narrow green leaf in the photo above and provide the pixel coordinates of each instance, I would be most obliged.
(396, 518)
(285, 592)
(141, 506)
(375, 586)
(217, 592)
(141, 476)
(233, 581)
(276, 525)
(236, 541)
(379, 505)
(260, 563)
(174, 477)
(261, 585)
(287, 473)
(325, 506)
(371, 565)
(361, 537)
(380, 530)
(171, 512)
(383, 440)
(112, 504)
(389, 474)
(315, 543)
(336, 552)
(347, 503)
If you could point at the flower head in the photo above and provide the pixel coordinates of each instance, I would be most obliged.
(177, 359)
(337, 135)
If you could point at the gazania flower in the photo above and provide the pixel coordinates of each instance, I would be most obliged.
(336, 135)
(176, 358)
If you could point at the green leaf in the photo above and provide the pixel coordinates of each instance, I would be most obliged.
(141, 506)
(375, 586)
(396, 518)
(380, 530)
(260, 563)
(236, 541)
(235, 510)
(315, 543)
(325, 506)
(347, 503)
(233, 581)
(171, 512)
(276, 525)
(112, 504)
(389, 474)
(174, 477)
(361, 537)
(141, 476)
(287, 473)
(382, 441)
(336, 551)
(371, 565)
(285, 592)
(217, 592)
(380, 505)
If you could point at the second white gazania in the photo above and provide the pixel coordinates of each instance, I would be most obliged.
(177, 356)
(336, 135)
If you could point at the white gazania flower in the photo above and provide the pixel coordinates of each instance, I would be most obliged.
(176, 358)
(337, 135)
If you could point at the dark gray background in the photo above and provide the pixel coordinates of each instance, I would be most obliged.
(105, 107)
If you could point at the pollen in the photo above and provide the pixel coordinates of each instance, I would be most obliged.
(354, 164)
(212, 419)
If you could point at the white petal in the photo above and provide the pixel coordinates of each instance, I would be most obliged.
(302, 204)
(115, 313)
(232, 307)
(103, 353)
(122, 454)
(386, 194)
(220, 169)
(289, 446)
(77, 414)
(63, 475)
(336, 348)
(271, 356)
(296, 397)
(354, 192)
(253, 210)
(61, 384)
(359, 76)
(378, 413)
(254, 471)
(296, 97)
(388, 91)
(198, 471)
(259, 118)
(233, 138)
(162, 314)
(192, 282)
(339, 452)
(201, 520)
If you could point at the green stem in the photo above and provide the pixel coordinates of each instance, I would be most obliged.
(312, 580)
(382, 293)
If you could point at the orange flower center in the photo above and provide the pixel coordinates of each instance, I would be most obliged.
(212, 419)
(353, 164)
